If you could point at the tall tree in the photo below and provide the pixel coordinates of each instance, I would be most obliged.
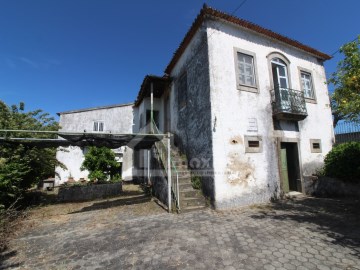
(346, 98)
(22, 166)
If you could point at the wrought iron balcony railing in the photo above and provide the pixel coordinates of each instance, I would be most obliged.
(288, 104)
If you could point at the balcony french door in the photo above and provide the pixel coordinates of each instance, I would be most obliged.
(281, 83)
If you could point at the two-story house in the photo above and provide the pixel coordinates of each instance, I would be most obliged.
(247, 106)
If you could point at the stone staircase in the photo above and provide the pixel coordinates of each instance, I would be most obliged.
(190, 199)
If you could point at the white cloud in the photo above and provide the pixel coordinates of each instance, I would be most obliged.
(29, 62)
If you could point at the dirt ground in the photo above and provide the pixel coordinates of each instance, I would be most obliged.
(132, 195)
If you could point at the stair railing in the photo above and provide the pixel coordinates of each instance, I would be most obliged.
(163, 151)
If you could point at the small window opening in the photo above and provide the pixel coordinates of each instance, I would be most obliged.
(98, 126)
(254, 144)
(316, 145)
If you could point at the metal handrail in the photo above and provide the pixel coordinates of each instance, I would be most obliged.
(163, 151)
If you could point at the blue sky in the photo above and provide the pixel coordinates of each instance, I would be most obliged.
(61, 55)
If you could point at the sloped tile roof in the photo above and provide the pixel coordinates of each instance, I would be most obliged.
(208, 12)
(160, 85)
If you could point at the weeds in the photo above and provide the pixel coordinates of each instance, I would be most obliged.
(9, 220)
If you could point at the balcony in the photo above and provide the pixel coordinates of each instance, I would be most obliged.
(288, 104)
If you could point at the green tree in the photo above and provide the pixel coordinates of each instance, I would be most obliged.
(101, 164)
(346, 98)
(22, 166)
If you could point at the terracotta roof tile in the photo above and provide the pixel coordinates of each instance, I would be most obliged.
(208, 12)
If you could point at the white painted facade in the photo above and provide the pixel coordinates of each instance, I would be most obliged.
(116, 119)
(243, 178)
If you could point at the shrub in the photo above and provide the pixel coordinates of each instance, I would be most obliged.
(101, 164)
(343, 161)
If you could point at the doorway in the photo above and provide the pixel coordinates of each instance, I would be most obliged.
(290, 167)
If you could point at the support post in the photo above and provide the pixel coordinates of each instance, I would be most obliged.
(169, 172)
(148, 165)
(152, 109)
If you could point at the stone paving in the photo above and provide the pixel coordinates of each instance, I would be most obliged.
(303, 233)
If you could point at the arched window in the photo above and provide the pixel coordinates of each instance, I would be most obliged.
(281, 82)
(279, 73)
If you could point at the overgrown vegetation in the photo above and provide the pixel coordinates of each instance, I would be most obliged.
(343, 162)
(8, 218)
(345, 101)
(196, 181)
(22, 166)
(101, 164)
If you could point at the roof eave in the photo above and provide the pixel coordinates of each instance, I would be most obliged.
(96, 108)
(213, 13)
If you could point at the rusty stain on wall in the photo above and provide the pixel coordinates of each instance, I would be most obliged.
(239, 172)
(236, 140)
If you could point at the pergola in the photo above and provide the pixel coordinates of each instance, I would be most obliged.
(82, 139)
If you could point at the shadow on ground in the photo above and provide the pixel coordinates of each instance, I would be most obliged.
(139, 198)
(6, 255)
(339, 219)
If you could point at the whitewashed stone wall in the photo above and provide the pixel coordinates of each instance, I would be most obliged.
(117, 119)
(244, 178)
(192, 123)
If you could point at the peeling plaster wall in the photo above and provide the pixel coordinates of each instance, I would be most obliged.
(246, 178)
(116, 120)
(192, 123)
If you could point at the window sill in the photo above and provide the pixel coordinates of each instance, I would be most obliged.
(247, 88)
(310, 100)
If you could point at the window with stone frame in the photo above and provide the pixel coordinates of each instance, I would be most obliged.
(245, 70)
(307, 85)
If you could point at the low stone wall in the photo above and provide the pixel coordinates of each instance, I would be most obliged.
(89, 192)
(330, 187)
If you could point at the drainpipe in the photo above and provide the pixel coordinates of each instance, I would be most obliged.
(169, 172)
(148, 165)
(152, 109)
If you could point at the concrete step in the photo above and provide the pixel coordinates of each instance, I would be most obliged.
(184, 174)
(185, 185)
(190, 193)
(190, 199)
(179, 160)
(186, 202)
(192, 208)
(181, 167)
(180, 163)
(183, 180)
